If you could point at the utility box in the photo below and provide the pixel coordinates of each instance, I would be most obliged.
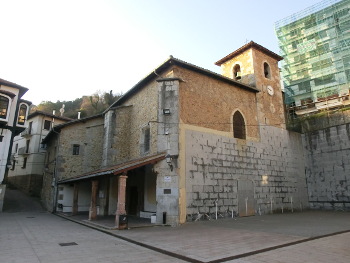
(123, 222)
(153, 219)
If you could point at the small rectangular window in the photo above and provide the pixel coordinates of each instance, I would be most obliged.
(147, 139)
(47, 160)
(24, 162)
(27, 146)
(76, 148)
(47, 125)
(30, 127)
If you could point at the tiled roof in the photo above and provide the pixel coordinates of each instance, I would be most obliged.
(117, 169)
(174, 61)
(251, 44)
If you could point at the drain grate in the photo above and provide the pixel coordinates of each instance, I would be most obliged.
(30, 216)
(67, 244)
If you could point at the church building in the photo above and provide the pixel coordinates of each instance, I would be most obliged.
(184, 142)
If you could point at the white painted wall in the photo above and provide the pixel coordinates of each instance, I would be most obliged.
(65, 197)
(150, 204)
(36, 156)
(4, 145)
(113, 195)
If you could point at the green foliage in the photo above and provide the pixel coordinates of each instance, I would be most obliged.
(87, 105)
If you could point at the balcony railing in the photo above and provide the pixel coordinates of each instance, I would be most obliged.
(327, 103)
(27, 132)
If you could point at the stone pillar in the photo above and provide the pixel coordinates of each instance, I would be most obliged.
(121, 201)
(93, 208)
(75, 199)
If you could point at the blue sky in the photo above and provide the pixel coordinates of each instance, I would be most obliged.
(62, 50)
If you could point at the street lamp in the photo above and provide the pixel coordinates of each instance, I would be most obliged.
(169, 159)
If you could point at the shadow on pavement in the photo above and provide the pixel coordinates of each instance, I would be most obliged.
(17, 201)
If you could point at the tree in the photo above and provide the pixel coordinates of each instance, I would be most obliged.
(87, 105)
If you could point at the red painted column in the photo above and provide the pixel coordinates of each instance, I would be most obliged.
(93, 208)
(121, 201)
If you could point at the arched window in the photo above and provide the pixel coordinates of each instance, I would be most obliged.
(267, 71)
(4, 106)
(237, 75)
(238, 126)
(22, 114)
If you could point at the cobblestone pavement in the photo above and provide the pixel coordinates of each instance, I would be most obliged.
(313, 236)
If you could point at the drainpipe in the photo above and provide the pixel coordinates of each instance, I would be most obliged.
(54, 181)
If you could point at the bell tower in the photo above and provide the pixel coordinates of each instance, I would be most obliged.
(256, 66)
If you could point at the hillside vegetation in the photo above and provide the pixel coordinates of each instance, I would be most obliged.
(87, 105)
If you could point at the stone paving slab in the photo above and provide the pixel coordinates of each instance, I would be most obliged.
(335, 249)
(29, 234)
(213, 240)
(36, 237)
(207, 243)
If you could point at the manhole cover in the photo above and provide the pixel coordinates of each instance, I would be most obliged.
(68, 244)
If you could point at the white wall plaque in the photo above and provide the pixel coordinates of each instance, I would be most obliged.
(167, 179)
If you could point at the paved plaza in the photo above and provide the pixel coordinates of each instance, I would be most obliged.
(29, 234)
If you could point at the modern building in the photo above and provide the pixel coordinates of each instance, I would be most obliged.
(13, 116)
(28, 152)
(315, 45)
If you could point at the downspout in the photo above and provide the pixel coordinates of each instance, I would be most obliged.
(54, 181)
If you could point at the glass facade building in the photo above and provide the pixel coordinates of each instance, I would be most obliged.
(315, 44)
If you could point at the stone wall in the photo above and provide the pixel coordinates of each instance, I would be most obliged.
(245, 61)
(211, 103)
(89, 136)
(47, 192)
(270, 108)
(327, 153)
(168, 185)
(270, 105)
(217, 165)
(142, 113)
(30, 184)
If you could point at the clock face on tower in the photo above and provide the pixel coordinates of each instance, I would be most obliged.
(270, 90)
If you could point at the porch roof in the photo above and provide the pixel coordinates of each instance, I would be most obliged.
(117, 169)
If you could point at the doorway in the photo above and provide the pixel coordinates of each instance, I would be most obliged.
(245, 190)
(133, 200)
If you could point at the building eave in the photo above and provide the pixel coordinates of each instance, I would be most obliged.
(155, 74)
(247, 46)
(22, 90)
(57, 128)
(117, 169)
(36, 113)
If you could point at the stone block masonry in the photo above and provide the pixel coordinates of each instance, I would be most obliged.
(226, 170)
(327, 153)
